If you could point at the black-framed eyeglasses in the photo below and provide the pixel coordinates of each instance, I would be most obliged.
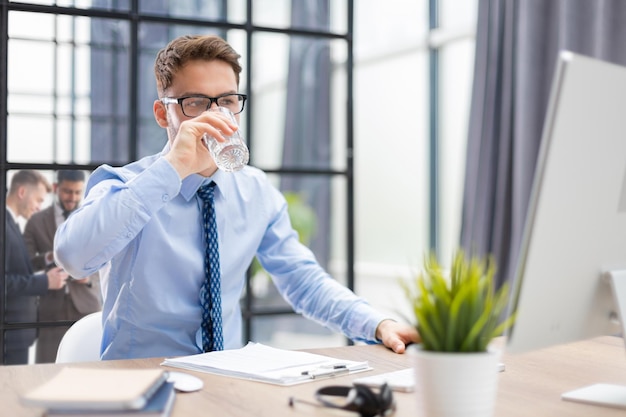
(195, 105)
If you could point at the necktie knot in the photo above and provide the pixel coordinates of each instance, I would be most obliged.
(207, 192)
(66, 214)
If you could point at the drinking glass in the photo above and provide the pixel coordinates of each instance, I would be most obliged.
(232, 154)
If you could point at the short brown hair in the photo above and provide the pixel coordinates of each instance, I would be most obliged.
(187, 48)
(28, 177)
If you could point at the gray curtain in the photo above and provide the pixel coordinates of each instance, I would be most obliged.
(517, 43)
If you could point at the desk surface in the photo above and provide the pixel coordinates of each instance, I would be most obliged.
(531, 384)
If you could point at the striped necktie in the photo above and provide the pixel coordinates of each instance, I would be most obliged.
(210, 292)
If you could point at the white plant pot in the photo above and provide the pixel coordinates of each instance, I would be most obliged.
(456, 384)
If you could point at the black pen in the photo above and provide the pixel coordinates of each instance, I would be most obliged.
(328, 372)
(335, 366)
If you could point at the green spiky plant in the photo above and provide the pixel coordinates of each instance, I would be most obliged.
(462, 313)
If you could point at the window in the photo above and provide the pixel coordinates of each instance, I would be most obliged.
(79, 92)
(323, 120)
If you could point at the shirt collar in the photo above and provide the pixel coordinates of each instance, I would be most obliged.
(192, 183)
(13, 215)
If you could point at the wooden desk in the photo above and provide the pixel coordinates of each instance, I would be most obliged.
(531, 384)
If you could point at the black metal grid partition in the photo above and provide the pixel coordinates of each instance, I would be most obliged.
(76, 91)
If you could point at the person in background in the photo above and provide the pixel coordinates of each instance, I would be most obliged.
(145, 222)
(27, 192)
(79, 297)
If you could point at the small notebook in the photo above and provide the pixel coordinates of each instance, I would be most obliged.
(97, 389)
(159, 405)
(402, 380)
(599, 394)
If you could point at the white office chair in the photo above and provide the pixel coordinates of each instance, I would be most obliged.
(81, 342)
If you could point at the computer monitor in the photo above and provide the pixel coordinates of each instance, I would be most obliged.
(570, 282)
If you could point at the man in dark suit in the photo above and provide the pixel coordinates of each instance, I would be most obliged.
(79, 297)
(27, 191)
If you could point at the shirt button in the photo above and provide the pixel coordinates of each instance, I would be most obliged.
(129, 234)
(165, 198)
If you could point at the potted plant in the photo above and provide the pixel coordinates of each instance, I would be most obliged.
(457, 316)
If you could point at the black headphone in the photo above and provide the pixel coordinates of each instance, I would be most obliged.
(358, 398)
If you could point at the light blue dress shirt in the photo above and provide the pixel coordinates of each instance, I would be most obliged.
(143, 226)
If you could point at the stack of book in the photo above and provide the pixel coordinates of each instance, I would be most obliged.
(104, 393)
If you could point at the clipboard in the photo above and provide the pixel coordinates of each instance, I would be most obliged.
(257, 362)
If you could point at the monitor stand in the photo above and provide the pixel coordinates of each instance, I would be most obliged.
(609, 395)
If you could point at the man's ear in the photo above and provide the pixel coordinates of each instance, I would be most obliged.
(160, 113)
